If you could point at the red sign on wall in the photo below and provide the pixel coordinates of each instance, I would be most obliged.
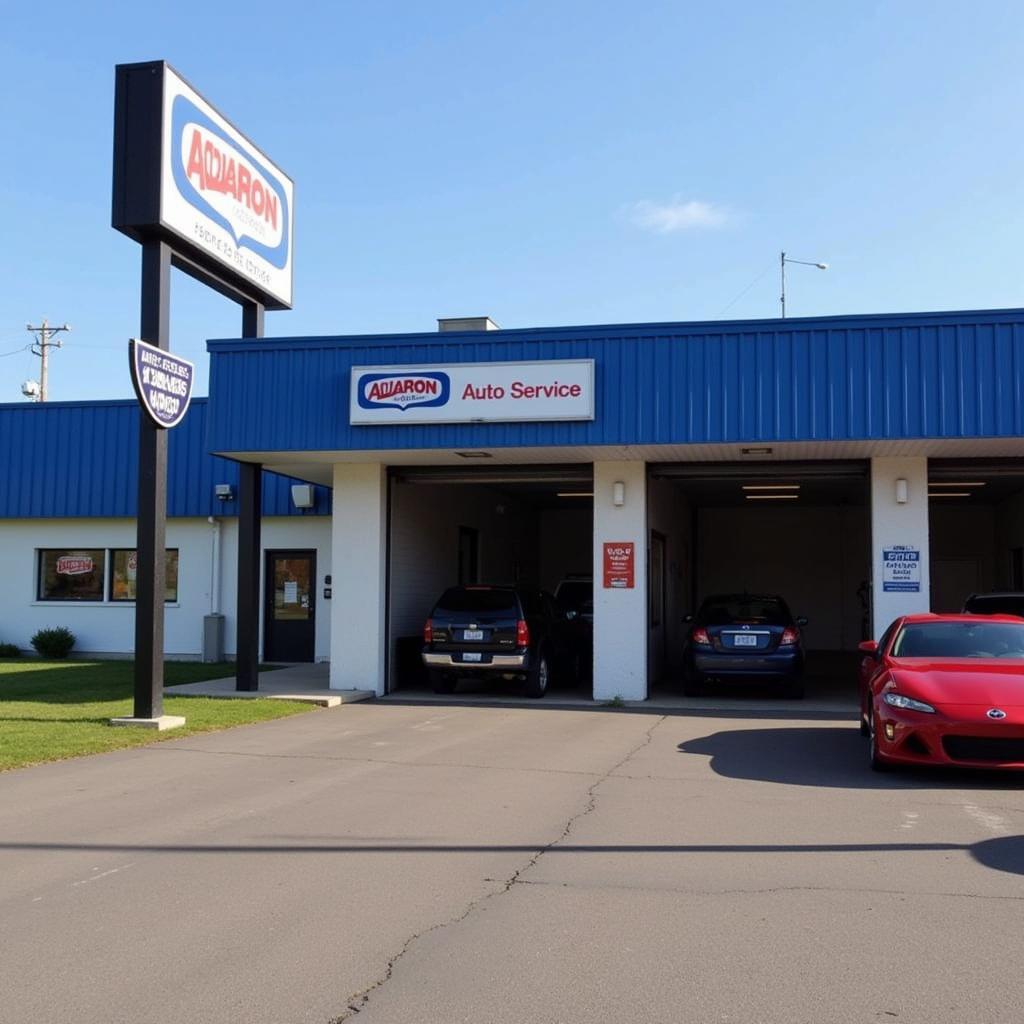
(619, 565)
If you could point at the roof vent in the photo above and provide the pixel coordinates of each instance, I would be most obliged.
(466, 323)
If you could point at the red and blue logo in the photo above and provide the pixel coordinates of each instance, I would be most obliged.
(403, 390)
(232, 186)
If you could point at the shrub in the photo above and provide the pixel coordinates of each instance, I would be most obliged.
(10, 651)
(54, 643)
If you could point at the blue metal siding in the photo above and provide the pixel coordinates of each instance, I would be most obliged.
(80, 459)
(937, 375)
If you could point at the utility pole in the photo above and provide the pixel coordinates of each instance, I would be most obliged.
(41, 346)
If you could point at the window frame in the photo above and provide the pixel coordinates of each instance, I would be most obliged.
(64, 550)
(113, 552)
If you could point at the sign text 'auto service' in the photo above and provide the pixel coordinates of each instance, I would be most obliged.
(219, 192)
(473, 392)
(163, 383)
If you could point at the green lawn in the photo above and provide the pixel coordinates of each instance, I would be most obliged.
(50, 710)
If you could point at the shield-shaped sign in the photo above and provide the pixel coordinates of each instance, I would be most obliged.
(163, 382)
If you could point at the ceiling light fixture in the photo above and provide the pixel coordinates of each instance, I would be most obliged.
(771, 497)
(756, 451)
(771, 487)
(949, 494)
(964, 483)
(474, 455)
(574, 494)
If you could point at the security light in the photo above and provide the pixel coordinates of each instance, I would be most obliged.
(223, 492)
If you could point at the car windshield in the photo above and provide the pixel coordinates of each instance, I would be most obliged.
(996, 604)
(757, 611)
(477, 599)
(576, 595)
(960, 640)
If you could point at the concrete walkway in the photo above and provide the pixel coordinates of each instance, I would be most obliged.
(307, 684)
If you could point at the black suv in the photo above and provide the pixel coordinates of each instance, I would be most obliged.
(497, 631)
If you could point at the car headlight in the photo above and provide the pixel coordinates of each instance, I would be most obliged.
(898, 700)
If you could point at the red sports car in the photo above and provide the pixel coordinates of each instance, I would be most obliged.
(945, 690)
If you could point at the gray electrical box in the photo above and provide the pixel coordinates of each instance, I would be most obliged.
(213, 638)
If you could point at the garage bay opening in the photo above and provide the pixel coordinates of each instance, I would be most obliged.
(503, 556)
(976, 534)
(758, 578)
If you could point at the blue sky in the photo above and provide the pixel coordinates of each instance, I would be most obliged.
(543, 163)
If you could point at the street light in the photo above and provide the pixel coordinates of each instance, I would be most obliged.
(783, 260)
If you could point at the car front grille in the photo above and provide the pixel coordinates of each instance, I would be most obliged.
(984, 748)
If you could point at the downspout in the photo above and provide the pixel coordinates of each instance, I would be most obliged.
(214, 566)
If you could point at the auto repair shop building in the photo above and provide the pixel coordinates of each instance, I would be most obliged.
(860, 466)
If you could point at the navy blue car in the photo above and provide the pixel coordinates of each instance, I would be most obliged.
(745, 635)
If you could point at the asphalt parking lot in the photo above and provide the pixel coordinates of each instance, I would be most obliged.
(493, 864)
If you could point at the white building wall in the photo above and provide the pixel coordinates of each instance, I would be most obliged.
(895, 524)
(620, 615)
(108, 628)
(359, 544)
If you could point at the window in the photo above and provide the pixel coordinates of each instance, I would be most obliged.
(122, 575)
(67, 574)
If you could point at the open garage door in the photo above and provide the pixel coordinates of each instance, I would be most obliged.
(529, 526)
(976, 529)
(797, 530)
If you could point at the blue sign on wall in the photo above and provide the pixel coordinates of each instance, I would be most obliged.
(163, 382)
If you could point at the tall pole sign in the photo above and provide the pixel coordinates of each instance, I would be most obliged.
(200, 196)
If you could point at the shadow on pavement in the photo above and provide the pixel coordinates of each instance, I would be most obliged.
(825, 757)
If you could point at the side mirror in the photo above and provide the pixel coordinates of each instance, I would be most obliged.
(801, 620)
(868, 647)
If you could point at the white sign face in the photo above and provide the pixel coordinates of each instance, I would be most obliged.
(219, 192)
(901, 570)
(473, 392)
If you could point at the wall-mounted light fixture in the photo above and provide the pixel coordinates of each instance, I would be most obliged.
(223, 492)
(618, 494)
(303, 495)
(902, 491)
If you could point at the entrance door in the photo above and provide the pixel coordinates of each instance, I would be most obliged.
(289, 621)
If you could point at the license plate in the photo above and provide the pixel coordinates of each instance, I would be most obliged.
(472, 656)
(472, 634)
(744, 640)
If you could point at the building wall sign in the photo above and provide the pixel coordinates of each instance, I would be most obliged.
(473, 392)
(901, 570)
(163, 383)
(183, 172)
(619, 565)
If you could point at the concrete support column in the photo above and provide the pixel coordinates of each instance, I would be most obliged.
(620, 613)
(358, 566)
(899, 539)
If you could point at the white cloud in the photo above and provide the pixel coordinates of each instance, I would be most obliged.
(677, 214)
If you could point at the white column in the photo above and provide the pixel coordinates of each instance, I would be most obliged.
(899, 524)
(620, 613)
(358, 544)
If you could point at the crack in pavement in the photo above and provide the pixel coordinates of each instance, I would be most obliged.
(358, 1002)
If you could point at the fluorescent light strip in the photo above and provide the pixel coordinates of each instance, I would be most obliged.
(950, 494)
(771, 487)
(574, 494)
(771, 497)
(965, 483)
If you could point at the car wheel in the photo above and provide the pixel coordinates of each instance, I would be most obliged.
(442, 683)
(537, 680)
(876, 758)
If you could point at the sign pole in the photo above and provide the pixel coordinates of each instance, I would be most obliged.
(152, 510)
